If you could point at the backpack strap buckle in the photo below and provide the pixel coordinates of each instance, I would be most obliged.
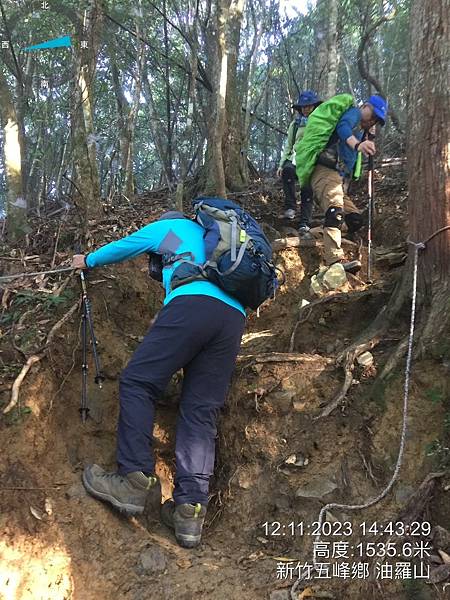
(170, 259)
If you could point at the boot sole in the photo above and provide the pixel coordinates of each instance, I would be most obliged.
(128, 509)
(188, 541)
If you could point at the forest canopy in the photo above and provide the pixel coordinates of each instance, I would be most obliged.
(133, 103)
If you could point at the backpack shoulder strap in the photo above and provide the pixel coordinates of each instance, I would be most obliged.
(294, 132)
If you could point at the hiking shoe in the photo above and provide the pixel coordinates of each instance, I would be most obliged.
(128, 493)
(289, 214)
(187, 521)
(305, 233)
(352, 266)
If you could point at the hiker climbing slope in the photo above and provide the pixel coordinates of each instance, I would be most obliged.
(327, 152)
(198, 329)
(306, 103)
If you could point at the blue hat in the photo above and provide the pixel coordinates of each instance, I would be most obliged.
(307, 98)
(380, 107)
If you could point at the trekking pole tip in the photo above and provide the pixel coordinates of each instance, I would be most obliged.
(99, 379)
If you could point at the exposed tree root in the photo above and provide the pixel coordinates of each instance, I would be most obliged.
(368, 340)
(368, 466)
(306, 311)
(394, 359)
(18, 382)
(350, 357)
(419, 501)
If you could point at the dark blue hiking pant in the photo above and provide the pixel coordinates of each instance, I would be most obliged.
(289, 177)
(201, 335)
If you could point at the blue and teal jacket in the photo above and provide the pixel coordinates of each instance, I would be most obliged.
(347, 125)
(167, 236)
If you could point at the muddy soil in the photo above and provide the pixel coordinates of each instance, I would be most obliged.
(277, 464)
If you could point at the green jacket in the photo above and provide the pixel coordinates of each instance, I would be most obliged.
(288, 150)
(321, 124)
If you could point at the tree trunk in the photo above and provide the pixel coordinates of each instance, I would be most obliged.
(236, 171)
(265, 130)
(320, 77)
(123, 109)
(61, 166)
(31, 183)
(248, 84)
(84, 146)
(428, 160)
(214, 166)
(155, 127)
(168, 103)
(332, 43)
(16, 206)
(186, 144)
(132, 115)
(326, 63)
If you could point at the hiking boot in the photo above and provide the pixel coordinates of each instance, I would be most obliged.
(305, 233)
(289, 214)
(352, 266)
(127, 493)
(187, 521)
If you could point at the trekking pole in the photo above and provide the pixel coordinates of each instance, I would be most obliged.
(370, 218)
(99, 378)
(370, 135)
(87, 323)
(84, 410)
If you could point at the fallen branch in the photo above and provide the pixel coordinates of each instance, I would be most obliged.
(59, 290)
(285, 357)
(60, 323)
(292, 242)
(34, 258)
(32, 489)
(296, 242)
(20, 275)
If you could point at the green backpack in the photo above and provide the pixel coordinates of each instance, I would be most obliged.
(321, 124)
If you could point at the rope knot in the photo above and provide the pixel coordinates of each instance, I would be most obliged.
(418, 245)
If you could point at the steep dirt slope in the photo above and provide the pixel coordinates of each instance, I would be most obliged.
(58, 543)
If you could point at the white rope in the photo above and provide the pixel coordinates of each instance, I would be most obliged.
(417, 247)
